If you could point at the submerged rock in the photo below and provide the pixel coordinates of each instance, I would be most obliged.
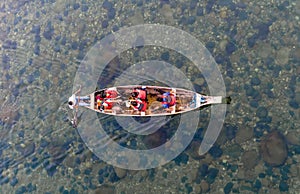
(121, 173)
(274, 149)
(155, 139)
(204, 186)
(250, 159)
(262, 112)
(104, 189)
(215, 152)
(243, 135)
(51, 168)
(293, 138)
(234, 150)
(283, 186)
(231, 131)
(228, 187)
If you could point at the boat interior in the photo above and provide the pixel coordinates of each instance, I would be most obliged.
(120, 104)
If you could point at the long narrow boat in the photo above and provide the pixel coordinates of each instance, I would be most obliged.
(120, 100)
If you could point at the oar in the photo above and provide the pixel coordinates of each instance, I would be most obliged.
(74, 120)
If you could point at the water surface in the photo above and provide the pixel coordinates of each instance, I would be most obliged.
(256, 47)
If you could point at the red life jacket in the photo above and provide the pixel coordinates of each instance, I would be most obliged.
(173, 100)
(141, 106)
(141, 94)
(98, 98)
(111, 94)
(108, 105)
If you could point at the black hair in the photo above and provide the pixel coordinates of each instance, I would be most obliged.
(70, 103)
(134, 103)
(159, 99)
(134, 94)
(102, 94)
(101, 107)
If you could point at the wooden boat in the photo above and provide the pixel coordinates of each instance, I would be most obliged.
(120, 99)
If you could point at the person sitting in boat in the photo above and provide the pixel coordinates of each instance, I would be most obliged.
(139, 105)
(102, 99)
(110, 93)
(140, 94)
(108, 104)
(101, 95)
(99, 102)
(168, 100)
(75, 101)
(105, 105)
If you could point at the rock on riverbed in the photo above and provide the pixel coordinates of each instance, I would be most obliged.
(274, 149)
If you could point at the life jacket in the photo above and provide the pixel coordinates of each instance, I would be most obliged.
(111, 94)
(99, 102)
(98, 97)
(168, 99)
(108, 104)
(141, 94)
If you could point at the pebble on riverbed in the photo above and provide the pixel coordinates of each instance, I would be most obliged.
(293, 138)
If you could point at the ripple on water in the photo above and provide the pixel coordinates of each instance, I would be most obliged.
(9, 44)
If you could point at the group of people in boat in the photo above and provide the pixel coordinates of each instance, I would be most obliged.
(140, 101)
(106, 99)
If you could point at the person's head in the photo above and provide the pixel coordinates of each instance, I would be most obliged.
(159, 99)
(70, 103)
(101, 107)
(102, 94)
(133, 103)
(134, 94)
